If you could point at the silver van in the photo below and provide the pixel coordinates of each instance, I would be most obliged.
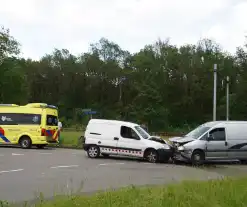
(217, 140)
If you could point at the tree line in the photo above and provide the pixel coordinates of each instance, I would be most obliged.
(162, 85)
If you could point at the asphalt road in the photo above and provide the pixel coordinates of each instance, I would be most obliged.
(26, 173)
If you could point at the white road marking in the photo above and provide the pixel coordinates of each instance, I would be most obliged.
(106, 164)
(64, 166)
(8, 171)
(45, 153)
(14, 154)
(77, 153)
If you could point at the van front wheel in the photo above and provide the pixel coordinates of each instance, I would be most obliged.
(25, 142)
(151, 156)
(198, 157)
(93, 151)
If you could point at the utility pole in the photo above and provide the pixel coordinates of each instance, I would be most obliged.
(120, 91)
(215, 92)
(227, 98)
(121, 80)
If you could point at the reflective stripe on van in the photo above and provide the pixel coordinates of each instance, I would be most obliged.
(5, 139)
(50, 133)
(124, 151)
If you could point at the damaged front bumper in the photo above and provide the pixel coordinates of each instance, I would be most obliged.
(181, 155)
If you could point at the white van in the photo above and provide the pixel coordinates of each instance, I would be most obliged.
(216, 140)
(111, 137)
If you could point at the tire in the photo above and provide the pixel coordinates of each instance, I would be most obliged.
(197, 158)
(41, 146)
(243, 162)
(25, 142)
(152, 156)
(93, 151)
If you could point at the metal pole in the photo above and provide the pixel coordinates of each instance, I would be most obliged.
(227, 98)
(215, 92)
(120, 92)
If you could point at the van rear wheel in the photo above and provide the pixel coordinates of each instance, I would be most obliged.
(25, 142)
(93, 151)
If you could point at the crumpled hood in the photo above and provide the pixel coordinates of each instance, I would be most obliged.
(174, 139)
(181, 139)
(157, 139)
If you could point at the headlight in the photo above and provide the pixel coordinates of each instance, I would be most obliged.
(181, 148)
(166, 146)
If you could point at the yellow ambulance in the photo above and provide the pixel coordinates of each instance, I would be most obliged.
(32, 124)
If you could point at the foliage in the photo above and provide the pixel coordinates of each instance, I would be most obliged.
(162, 85)
(4, 203)
(214, 193)
(8, 45)
(71, 139)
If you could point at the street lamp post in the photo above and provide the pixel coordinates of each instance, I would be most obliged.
(215, 92)
(227, 98)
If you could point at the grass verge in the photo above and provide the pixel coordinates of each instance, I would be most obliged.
(70, 138)
(215, 193)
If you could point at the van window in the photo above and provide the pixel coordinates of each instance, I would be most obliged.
(197, 132)
(20, 119)
(205, 137)
(51, 120)
(142, 132)
(218, 134)
(127, 132)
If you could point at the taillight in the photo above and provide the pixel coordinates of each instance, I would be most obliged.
(43, 132)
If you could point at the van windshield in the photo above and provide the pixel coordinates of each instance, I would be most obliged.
(142, 132)
(197, 132)
(51, 120)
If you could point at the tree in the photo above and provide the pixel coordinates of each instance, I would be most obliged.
(8, 45)
(12, 80)
(161, 85)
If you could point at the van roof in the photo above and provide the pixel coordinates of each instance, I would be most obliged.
(213, 123)
(129, 124)
(31, 105)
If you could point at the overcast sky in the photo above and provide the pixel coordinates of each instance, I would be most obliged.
(41, 25)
